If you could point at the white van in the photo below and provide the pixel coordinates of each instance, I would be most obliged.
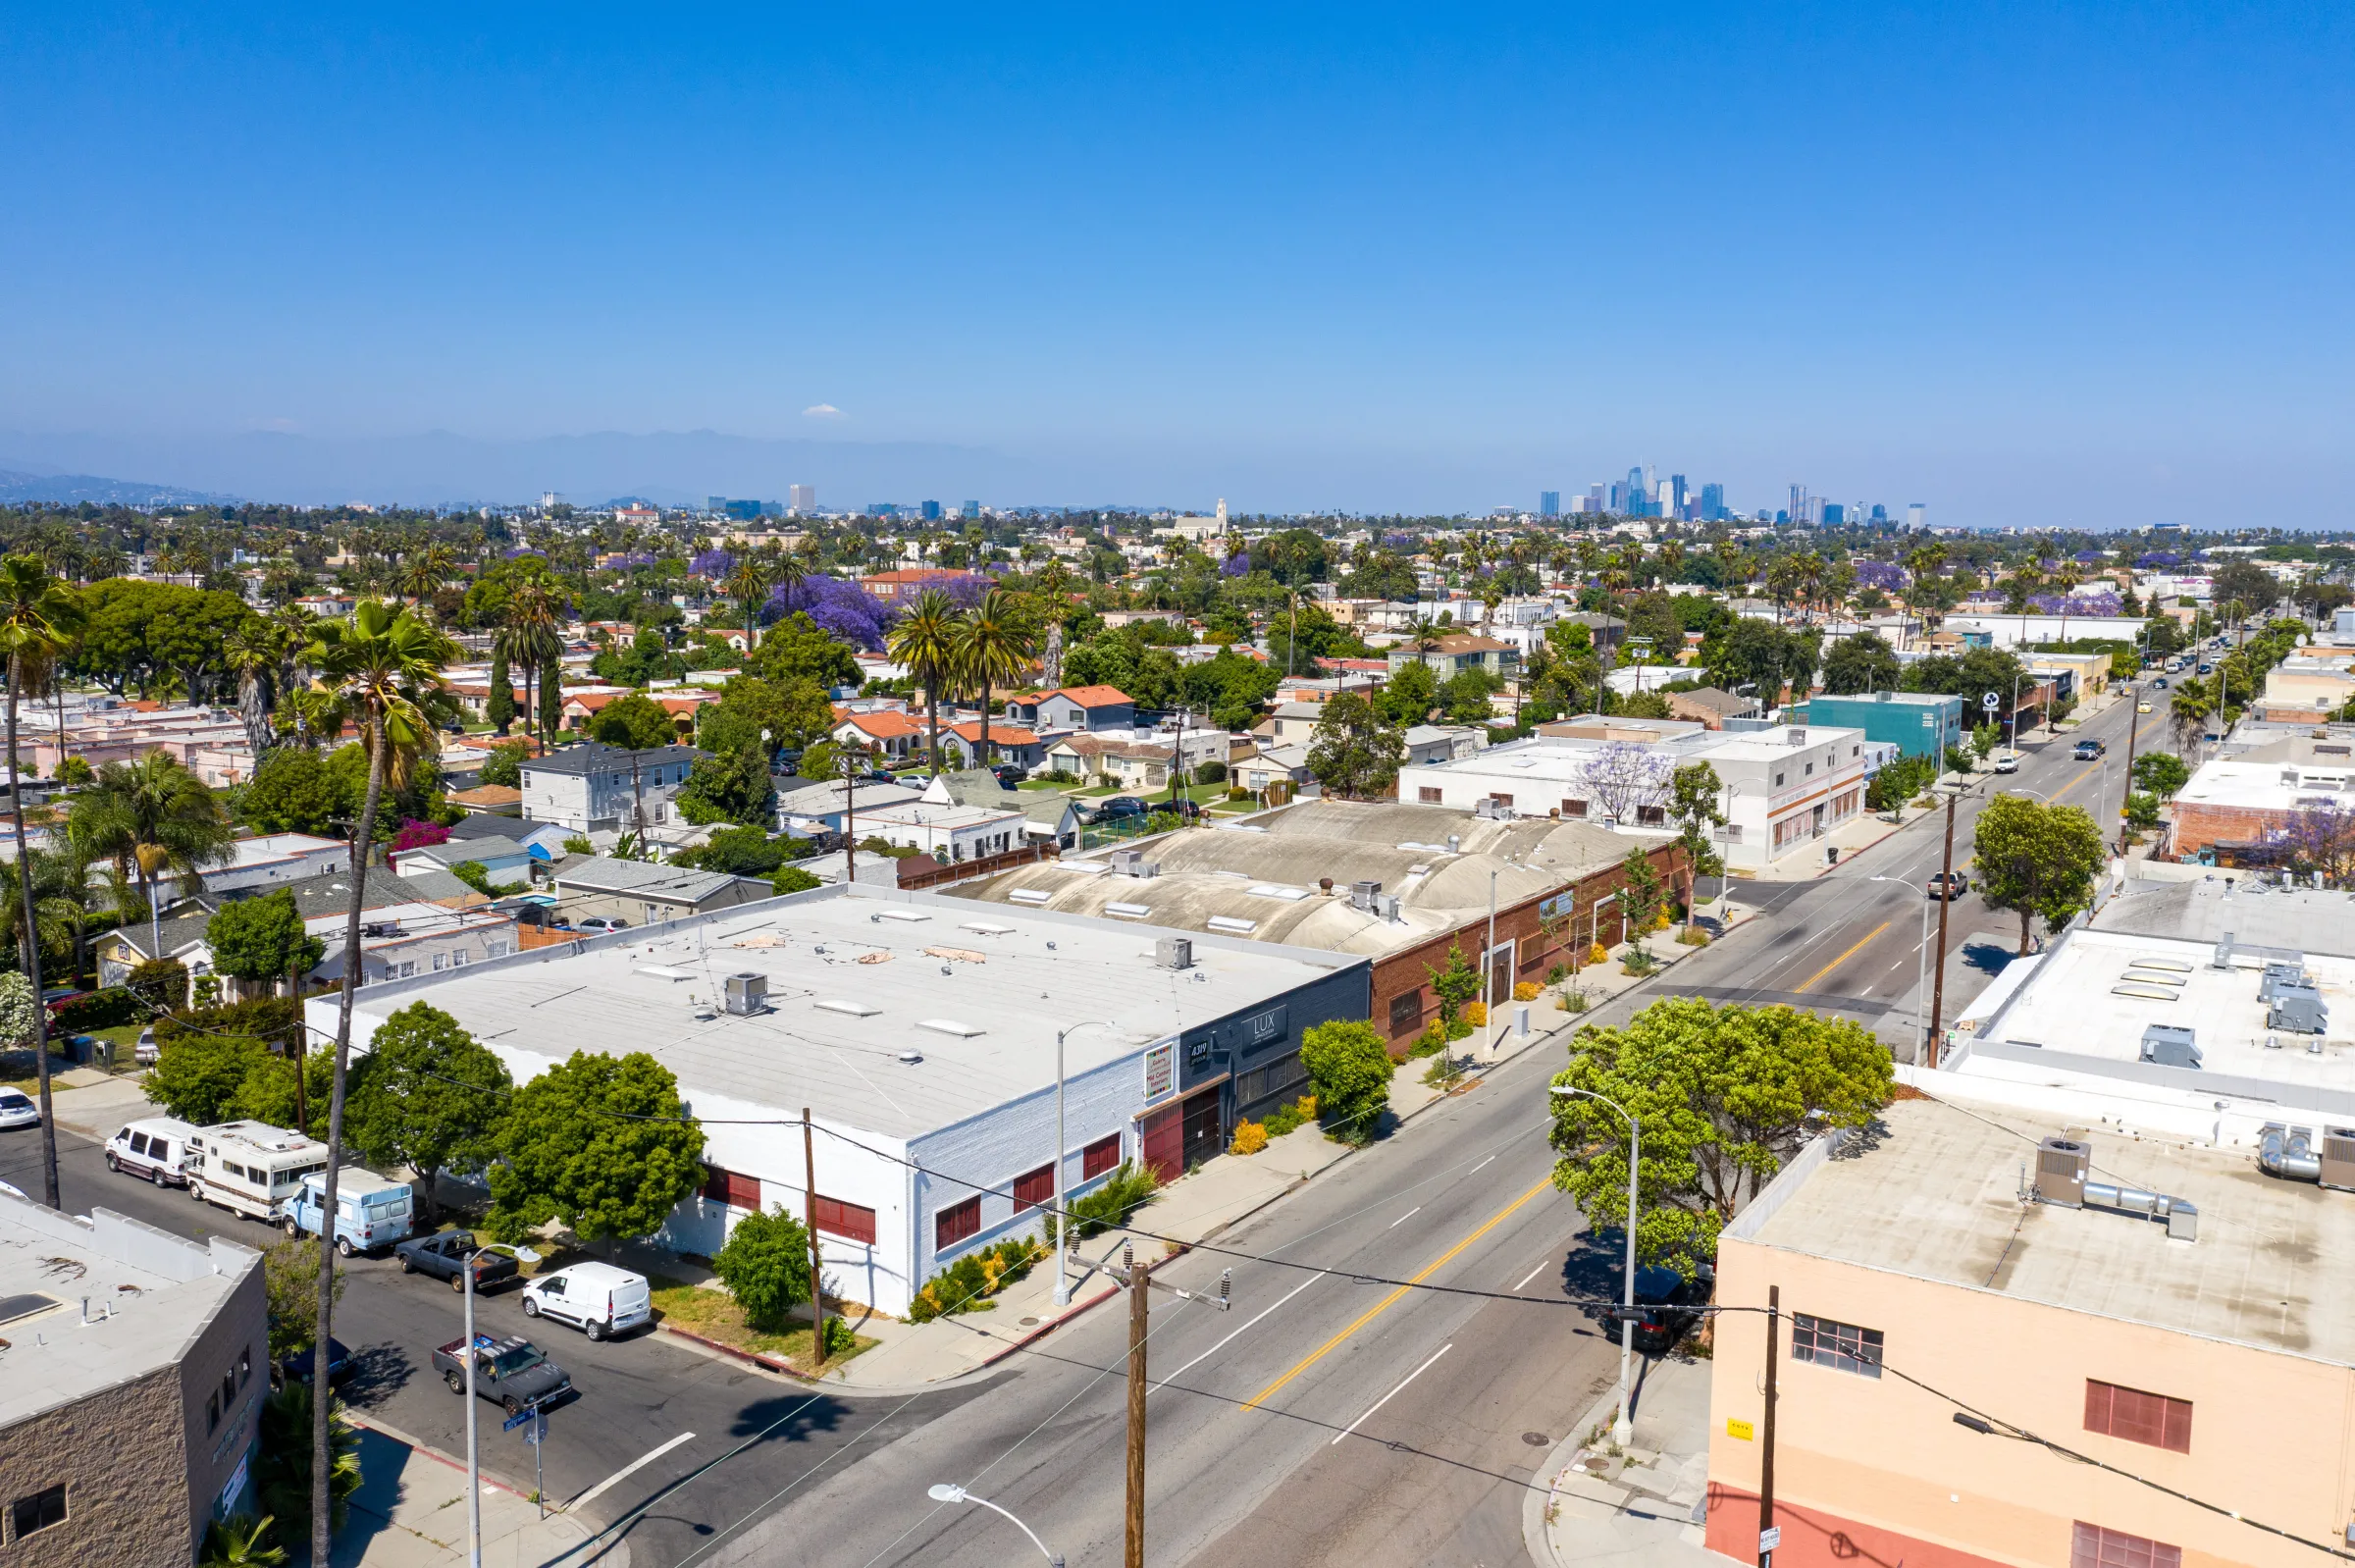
(156, 1148)
(250, 1166)
(596, 1297)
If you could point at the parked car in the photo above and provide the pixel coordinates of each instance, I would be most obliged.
(1186, 810)
(17, 1110)
(1119, 809)
(442, 1255)
(2160, 684)
(2006, 761)
(1667, 1306)
(596, 1298)
(512, 1373)
(2090, 750)
(1010, 773)
(595, 923)
(147, 1053)
(1944, 885)
(156, 1148)
(371, 1210)
(297, 1366)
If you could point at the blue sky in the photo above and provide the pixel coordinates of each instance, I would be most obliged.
(2029, 264)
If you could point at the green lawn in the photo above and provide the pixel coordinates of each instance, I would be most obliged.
(714, 1315)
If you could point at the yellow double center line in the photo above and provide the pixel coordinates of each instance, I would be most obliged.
(1808, 983)
(1383, 1305)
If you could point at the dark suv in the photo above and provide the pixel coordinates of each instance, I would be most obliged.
(2090, 751)
(1668, 1304)
(1119, 809)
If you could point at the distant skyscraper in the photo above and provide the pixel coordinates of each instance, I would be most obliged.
(1712, 503)
(1834, 514)
(1549, 503)
(1618, 503)
(715, 504)
(1595, 497)
(801, 499)
(1917, 516)
(1799, 504)
(1676, 487)
(931, 512)
(1639, 493)
(970, 510)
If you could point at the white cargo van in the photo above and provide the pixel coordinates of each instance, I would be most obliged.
(156, 1148)
(250, 1166)
(596, 1297)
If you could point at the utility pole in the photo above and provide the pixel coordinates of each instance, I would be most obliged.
(1768, 1535)
(638, 798)
(1138, 1307)
(1946, 897)
(2133, 727)
(850, 835)
(298, 1047)
(817, 1285)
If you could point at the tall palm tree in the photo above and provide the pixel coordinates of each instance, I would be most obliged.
(256, 655)
(992, 650)
(424, 570)
(386, 665)
(39, 617)
(160, 817)
(748, 584)
(528, 636)
(925, 640)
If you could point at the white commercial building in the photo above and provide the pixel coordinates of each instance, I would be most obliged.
(1784, 786)
(919, 1032)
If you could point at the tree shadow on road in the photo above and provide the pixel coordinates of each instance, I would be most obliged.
(377, 1372)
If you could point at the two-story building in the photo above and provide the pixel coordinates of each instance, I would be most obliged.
(593, 786)
(1917, 723)
(1073, 708)
(1457, 651)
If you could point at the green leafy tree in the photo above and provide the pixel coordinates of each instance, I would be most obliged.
(1861, 664)
(504, 763)
(636, 722)
(737, 851)
(1725, 1097)
(76, 772)
(2162, 773)
(797, 648)
(430, 1096)
(731, 786)
(2037, 860)
(198, 1078)
(551, 697)
(793, 880)
(1455, 983)
(2142, 810)
(1351, 751)
(1640, 894)
(293, 791)
(291, 1285)
(1408, 697)
(1350, 1068)
(571, 1153)
(1693, 792)
(262, 940)
(20, 1014)
(500, 707)
(766, 1266)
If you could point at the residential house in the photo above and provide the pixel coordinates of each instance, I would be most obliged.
(276, 860)
(645, 893)
(1073, 708)
(960, 744)
(594, 785)
(820, 807)
(886, 732)
(1443, 743)
(502, 859)
(1272, 765)
(903, 584)
(1130, 765)
(949, 833)
(1051, 818)
(1454, 652)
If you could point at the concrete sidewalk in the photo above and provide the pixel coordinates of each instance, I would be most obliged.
(410, 1512)
(95, 1103)
(1641, 1506)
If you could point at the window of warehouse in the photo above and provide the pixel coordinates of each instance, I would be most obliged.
(2138, 1417)
(734, 1190)
(845, 1220)
(2096, 1547)
(955, 1222)
(1842, 1346)
(1407, 1011)
(1099, 1157)
(1034, 1188)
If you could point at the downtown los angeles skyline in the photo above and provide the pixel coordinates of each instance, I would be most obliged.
(2032, 268)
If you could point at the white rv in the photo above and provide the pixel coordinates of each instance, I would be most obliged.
(250, 1166)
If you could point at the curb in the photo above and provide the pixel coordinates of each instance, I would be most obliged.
(1535, 1534)
(418, 1445)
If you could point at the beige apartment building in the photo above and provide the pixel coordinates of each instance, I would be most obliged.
(2184, 1320)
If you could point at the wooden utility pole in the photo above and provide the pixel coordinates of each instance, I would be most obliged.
(1138, 1273)
(1946, 897)
(1774, 1319)
(2133, 728)
(298, 1047)
(818, 1283)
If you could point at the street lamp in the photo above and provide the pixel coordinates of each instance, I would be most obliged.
(1921, 958)
(1725, 878)
(1623, 1429)
(1063, 1218)
(949, 1492)
(474, 1463)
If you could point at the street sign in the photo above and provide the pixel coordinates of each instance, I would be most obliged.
(1989, 703)
(519, 1418)
(1770, 1538)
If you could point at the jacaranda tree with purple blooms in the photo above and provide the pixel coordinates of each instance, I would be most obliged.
(842, 610)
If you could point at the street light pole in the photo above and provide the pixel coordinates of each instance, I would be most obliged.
(1063, 1218)
(1921, 958)
(946, 1491)
(1623, 1429)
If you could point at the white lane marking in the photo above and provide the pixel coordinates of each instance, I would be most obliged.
(1222, 1344)
(638, 1463)
(1393, 1394)
(1402, 1219)
(1533, 1272)
(1476, 1169)
(1900, 963)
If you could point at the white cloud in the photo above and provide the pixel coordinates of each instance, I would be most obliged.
(821, 411)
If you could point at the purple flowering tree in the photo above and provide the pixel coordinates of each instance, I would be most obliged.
(842, 610)
(711, 565)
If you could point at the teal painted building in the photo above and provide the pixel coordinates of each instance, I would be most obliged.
(1917, 724)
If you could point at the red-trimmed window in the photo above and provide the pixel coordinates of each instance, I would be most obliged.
(734, 1190)
(1099, 1157)
(1034, 1188)
(2138, 1417)
(845, 1220)
(955, 1222)
(2096, 1547)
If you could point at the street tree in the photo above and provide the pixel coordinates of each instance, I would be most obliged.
(766, 1266)
(198, 1078)
(291, 1287)
(1455, 983)
(728, 786)
(1693, 792)
(1725, 1096)
(430, 1096)
(1350, 1068)
(261, 941)
(1640, 892)
(1861, 664)
(636, 722)
(2162, 773)
(1351, 751)
(993, 645)
(601, 1143)
(293, 791)
(2037, 860)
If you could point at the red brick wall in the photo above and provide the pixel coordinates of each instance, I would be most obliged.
(1409, 972)
(2197, 826)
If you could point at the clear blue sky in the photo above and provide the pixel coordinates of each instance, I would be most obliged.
(2024, 263)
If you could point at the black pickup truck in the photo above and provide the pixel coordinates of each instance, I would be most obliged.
(512, 1373)
(444, 1256)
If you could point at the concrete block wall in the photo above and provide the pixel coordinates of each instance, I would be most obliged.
(122, 1457)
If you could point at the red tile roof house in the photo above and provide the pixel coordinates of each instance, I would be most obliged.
(1008, 742)
(1073, 708)
(894, 735)
(582, 706)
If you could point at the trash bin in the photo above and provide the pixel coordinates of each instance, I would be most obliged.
(102, 1054)
(1831, 854)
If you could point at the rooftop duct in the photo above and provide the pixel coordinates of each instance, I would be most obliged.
(2289, 1152)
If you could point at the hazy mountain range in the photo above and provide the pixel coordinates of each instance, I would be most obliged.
(19, 485)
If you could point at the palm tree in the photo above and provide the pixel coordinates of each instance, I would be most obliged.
(925, 640)
(39, 617)
(992, 650)
(255, 654)
(158, 816)
(748, 585)
(2065, 582)
(528, 636)
(386, 665)
(424, 570)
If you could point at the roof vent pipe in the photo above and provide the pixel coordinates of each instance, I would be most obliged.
(2224, 954)
(1455, 843)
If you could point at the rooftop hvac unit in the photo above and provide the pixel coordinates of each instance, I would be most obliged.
(2280, 972)
(1799, 736)
(748, 994)
(2169, 1045)
(2287, 1152)
(1124, 860)
(2298, 1009)
(1174, 953)
(2338, 1159)
(2224, 954)
(1362, 895)
(1385, 904)
(2061, 1167)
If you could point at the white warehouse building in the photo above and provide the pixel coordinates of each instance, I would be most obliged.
(919, 1031)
